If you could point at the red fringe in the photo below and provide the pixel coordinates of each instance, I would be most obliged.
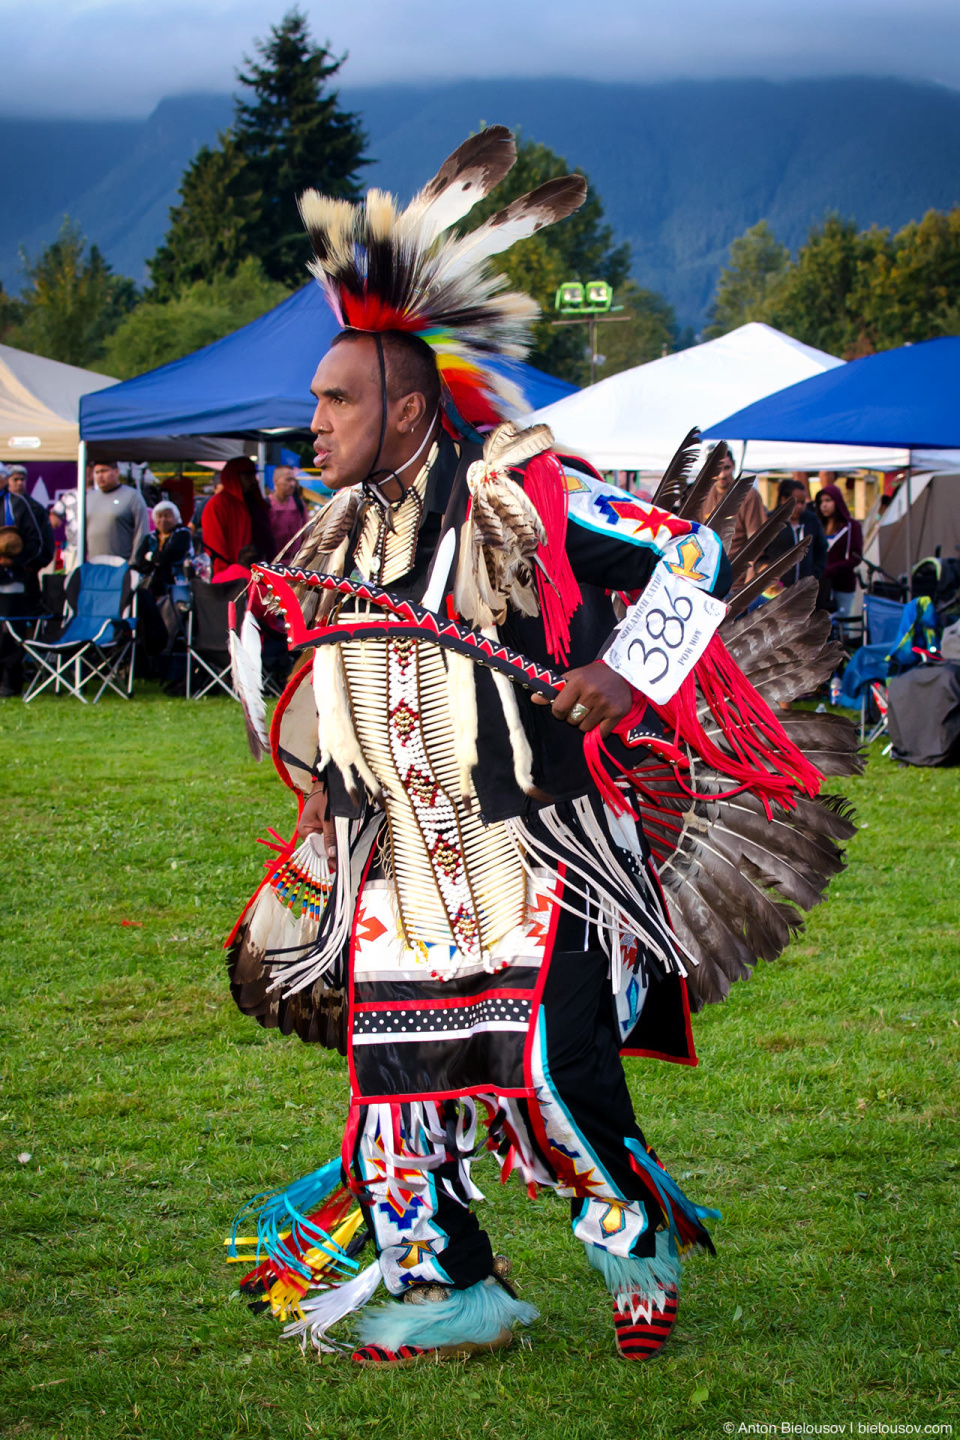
(764, 761)
(559, 593)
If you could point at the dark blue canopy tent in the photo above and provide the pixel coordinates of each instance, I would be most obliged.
(254, 384)
(906, 399)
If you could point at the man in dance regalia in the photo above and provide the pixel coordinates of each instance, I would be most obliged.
(515, 860)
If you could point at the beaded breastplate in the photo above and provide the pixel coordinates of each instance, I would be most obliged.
(455, 877)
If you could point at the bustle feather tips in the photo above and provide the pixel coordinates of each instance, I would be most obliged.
(385, 269)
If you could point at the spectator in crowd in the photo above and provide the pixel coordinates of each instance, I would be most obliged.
(17, 485)
(161, 552)
(750, 515)
(236, 516)
(804, 521)
(26, 545)
(160, 555)
(117, 515)
(838, 588)
(288, 513)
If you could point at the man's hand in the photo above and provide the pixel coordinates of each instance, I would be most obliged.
(315, 819)
(605, 695)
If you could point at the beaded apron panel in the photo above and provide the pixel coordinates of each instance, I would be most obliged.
(456, 879)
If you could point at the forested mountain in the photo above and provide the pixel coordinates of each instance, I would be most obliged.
(682, 168)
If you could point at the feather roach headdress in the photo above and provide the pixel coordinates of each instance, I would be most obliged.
(384, 269)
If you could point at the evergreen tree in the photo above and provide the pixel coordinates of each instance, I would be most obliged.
(292, 134)
(72, 300)
(578, 248)
(745, 290)
(239, 198)
(208, 229)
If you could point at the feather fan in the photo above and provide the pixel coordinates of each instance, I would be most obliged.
(758, 543)
(744, 598)
(723, 518)
(698, 491)
(737, 879)
(673, 486)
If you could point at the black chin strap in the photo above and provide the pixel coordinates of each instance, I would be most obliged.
(374, 485)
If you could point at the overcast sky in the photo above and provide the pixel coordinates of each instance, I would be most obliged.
(110, 57)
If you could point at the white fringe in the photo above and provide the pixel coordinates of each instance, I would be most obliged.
(324, 1311)
(351, 861)
(600, 903)
(335, 729)
(462, 701)
(519, 744)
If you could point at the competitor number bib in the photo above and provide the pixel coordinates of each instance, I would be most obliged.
(664, 634)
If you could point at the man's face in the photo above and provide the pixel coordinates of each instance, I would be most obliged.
(284, 482)
(166, 522)
(17, 483)
(346, 421)
(725, 473)
(799, 505)
(106, 477)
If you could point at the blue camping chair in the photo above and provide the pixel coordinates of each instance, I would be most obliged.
(869, 664)
(98, 639)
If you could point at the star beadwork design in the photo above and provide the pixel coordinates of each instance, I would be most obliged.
(413, 1255)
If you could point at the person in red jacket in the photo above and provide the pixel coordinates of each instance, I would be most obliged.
(845, 551)
(236, 516)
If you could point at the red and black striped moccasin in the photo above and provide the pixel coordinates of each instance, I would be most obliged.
(638, 1337)
(378, 1358)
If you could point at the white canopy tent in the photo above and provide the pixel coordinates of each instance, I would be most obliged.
(636, 420)
(40, 405)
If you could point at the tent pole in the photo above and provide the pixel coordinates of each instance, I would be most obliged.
(909, 536)
(81, 501)
(262, 465)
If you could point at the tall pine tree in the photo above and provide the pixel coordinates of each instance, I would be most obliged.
(208, 234)
(72, 300)
(239, 199)
(292, 134)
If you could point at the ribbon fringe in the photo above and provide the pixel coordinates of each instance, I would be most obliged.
(761, 757)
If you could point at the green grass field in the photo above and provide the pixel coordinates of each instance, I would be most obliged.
(139, 1110)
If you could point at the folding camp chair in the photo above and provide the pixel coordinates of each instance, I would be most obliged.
(96, 642)
(207, 628)
(881, 622)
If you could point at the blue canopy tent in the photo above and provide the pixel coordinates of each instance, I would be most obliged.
(905, 399)
(252, 385)
(254, 382)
